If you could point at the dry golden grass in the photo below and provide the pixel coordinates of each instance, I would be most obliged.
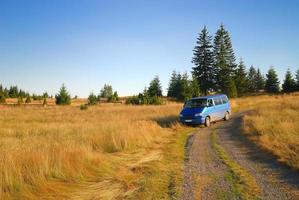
(55, 151)
(274, 124)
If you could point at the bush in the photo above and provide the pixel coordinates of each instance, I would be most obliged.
(63, 98)
(133, 100)
(92, 99)
(28, 100)
(83, 107)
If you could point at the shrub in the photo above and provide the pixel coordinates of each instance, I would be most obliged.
(92, 99)
(28, 100)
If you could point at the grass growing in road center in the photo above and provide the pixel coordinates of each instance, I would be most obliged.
(244, 184)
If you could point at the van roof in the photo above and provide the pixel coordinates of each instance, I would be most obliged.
(209, 96)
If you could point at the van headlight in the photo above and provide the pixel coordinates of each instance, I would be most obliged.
(198, 115)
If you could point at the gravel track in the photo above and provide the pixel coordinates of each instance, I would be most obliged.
(204, 172)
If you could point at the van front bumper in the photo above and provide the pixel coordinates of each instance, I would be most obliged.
(192, 120)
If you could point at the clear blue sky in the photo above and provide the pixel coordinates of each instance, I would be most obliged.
(86, 43)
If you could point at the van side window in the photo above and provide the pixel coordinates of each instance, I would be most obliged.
(224, 99)
(210, 103)
(217, 101)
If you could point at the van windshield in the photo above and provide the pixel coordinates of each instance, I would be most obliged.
(196, 103)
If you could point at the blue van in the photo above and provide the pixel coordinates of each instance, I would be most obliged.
(206, 109)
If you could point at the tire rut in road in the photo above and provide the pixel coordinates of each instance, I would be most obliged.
(204, 173)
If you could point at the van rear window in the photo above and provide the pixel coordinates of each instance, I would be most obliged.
(224, 99)
(196, 103)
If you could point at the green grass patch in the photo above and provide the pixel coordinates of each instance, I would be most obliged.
(244, 184)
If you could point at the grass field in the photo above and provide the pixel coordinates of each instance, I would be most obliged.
(273, 124)
(109, 151)
(55, 151)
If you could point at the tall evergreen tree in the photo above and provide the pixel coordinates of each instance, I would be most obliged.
(172, 85)
(259, 81)
(289, 83)
(252, 74)
(203, 61)
(272, 82)
(194, 87)
(155, 88)
(241, 79)
(106, 91)
(224, 61)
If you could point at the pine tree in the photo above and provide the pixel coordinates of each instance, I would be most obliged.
(172, 85)
(241, 79)
(259, 81)
(272, 82)
(224, 62)
(155, 88)
(203, 61)
(297, 80)
(289, 83)
(63, 97)
(195, 87)
(252, 74)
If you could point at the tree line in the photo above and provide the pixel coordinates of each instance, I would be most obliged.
(215, 70)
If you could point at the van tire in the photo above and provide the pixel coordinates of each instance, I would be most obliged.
(226, 116)
(207, 122)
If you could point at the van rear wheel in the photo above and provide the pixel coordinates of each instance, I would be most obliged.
(207, 122)
(226, 116)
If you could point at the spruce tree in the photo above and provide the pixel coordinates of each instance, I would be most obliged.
(289, 83)
(252, 74)
(63, 97)
(224, 60)
(272, 82)
(259, 81)
(172, 85)
(203, 61)
(155, 88)
(194, 87)
(241, 79)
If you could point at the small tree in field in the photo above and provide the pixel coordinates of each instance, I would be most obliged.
(92, 99)
(28, 100)
(63, 97)
(2, 98)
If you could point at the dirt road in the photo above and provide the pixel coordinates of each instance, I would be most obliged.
(208, 176)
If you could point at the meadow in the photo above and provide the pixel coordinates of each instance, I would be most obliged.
(273, 124)
(55, 151)
(120, 151)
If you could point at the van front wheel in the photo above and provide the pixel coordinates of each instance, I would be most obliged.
(207, 122)
(226, 116)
